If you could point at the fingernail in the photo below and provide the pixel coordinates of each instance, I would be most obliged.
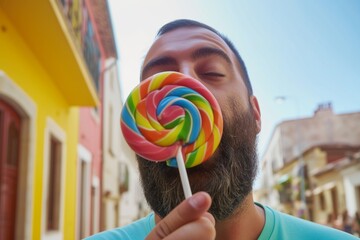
(197, 200)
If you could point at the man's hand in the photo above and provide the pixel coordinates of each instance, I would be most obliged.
(189, 220)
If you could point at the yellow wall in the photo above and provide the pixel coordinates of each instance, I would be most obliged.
(21, 65)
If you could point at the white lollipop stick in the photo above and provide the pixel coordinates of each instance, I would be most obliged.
(183, 174)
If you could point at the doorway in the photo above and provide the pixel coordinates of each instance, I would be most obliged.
(10, 127)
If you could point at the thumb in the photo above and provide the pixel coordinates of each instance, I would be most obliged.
(189, 210)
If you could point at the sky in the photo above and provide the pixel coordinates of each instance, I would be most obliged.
(306, 50)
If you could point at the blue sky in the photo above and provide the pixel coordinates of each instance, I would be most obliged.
(306, 50)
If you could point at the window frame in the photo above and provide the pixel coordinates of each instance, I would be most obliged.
(53, 131)
(27, 109)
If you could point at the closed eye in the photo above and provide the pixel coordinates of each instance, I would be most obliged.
(214, 74)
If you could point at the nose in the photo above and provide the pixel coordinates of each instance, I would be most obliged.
(187, 69)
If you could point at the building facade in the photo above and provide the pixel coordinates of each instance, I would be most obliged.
(90, 23)
(66, 171)
(121, 199)
(306, 170)
(106, 166)
(43, 80)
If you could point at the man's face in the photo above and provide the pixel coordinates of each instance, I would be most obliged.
(228, 175)
(203, 55)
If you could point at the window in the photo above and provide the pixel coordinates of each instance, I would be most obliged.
(84, 192)
(334, 200)
(54, 159)
(84, 200)
(110, 132)
(13, 142)
(1, 131)
(322, 201)
(53, 192)
(95, 204)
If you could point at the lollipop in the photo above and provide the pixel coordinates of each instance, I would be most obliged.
(172, 117)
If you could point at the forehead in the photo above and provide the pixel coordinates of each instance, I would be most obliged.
(185, 39)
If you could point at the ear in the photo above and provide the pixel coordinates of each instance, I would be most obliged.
(256, 111)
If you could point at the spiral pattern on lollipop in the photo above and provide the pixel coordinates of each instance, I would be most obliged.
(171, 110)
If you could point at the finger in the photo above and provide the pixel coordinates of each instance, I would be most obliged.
(210, 217)
(189, 210)
(200, 229)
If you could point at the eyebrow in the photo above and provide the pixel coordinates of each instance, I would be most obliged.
(160, 61)
(199, 53)
(208, 51)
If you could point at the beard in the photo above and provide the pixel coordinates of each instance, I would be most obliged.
(227, 176)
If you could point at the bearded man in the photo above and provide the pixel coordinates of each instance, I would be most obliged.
(222, 206)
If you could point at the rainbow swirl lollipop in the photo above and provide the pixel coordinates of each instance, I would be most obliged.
(171, 111)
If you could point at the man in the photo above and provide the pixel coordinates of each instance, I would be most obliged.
(222, 206)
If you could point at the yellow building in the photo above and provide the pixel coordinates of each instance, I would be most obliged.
(330, 183)
(336, 188)
(43, 80)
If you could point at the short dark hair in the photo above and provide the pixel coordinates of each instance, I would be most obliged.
(180, 23)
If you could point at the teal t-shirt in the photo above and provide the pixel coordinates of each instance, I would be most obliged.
(137, 230)
(283, 226)
(278, 226)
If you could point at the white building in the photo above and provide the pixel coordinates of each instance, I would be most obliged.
(290, 141)
(122, 201)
